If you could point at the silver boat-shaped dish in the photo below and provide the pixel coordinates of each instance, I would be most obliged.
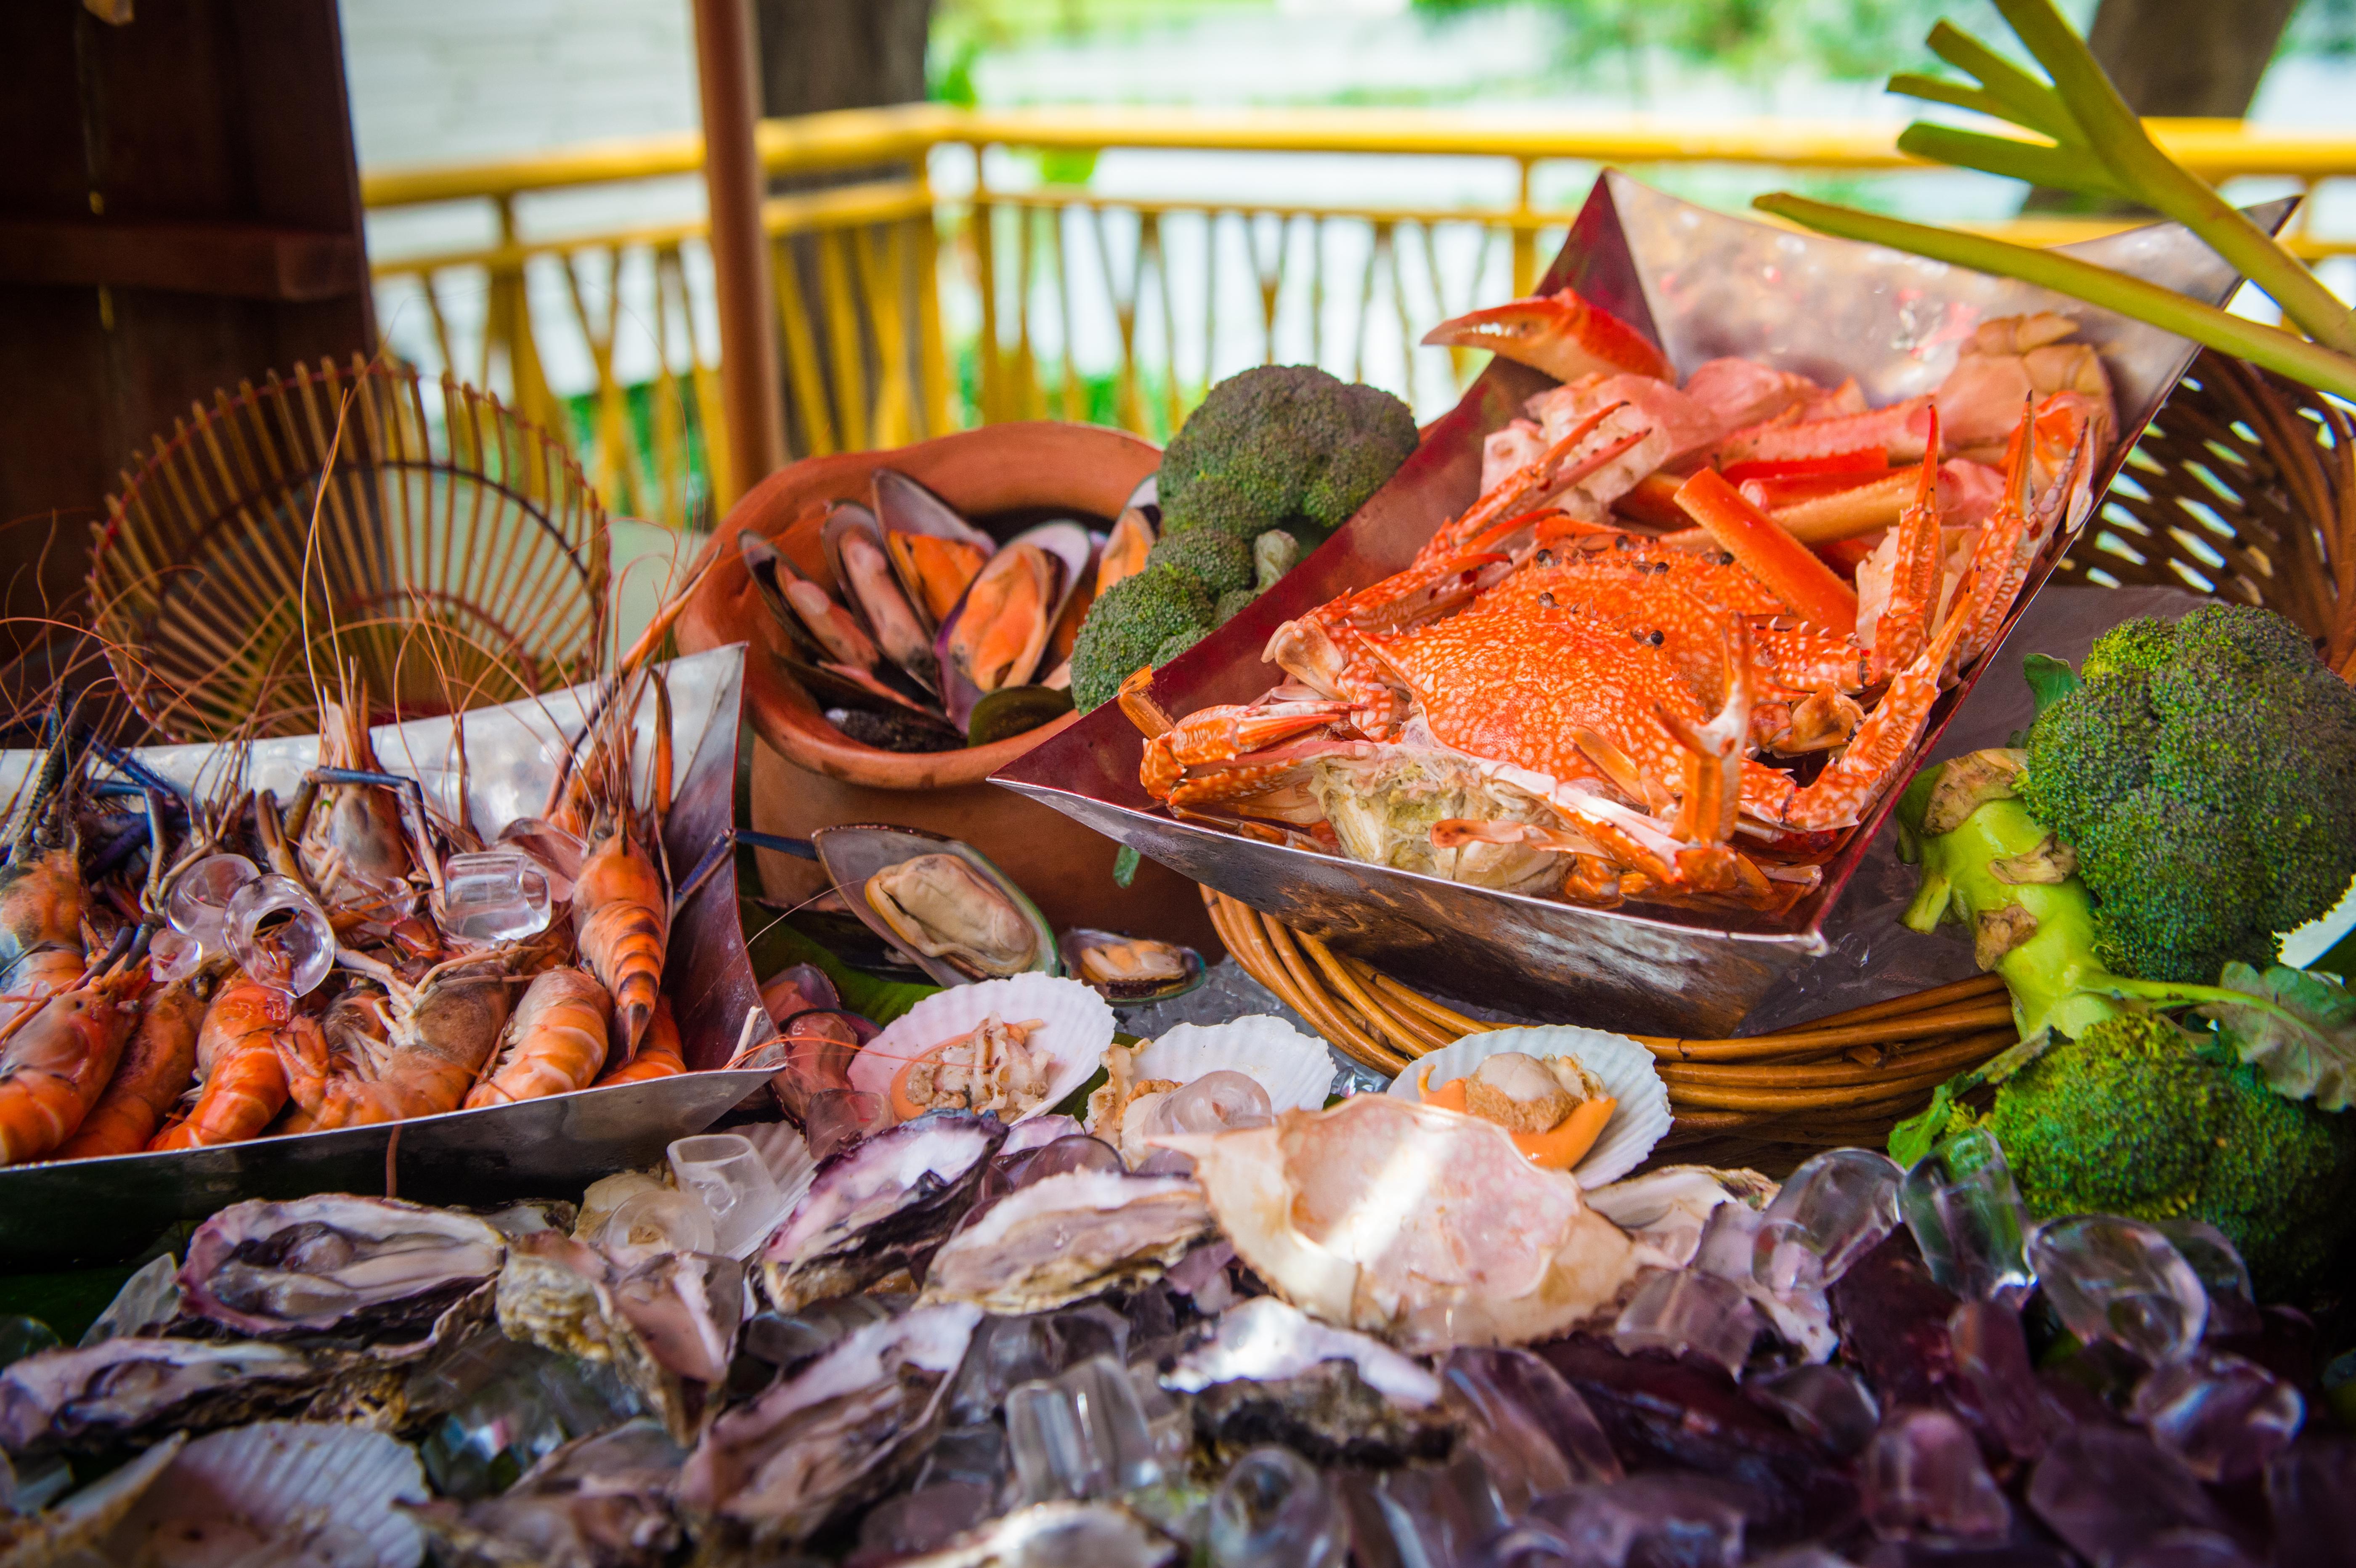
(1703, 285)
(67, 1210)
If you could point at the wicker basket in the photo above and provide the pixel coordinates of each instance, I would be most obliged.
(2244, 487)
(450, 548)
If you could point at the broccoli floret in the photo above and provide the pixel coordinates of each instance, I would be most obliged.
(2136, 1118)
(1218, 560)
(2202, 773)
(1283, 446)
(1178, 642)
(1127, 627)
(1231, 604)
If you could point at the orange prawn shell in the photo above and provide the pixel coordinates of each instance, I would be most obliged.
(54, 1069)
(619, 908)
(557, 1041)
(243, 1077)
(157, 1069)
(658, 1053)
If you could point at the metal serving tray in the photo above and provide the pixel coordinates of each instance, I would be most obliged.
(1703, 285)
(77, 1209)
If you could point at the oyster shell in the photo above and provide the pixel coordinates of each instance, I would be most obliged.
(942, 907)
(600, 1501)
(1419, 1224)
(1265, 1340)
(846, 1427)
(360, 1266)
(877, 1205)
(666, 1324)
(1052, 1535)
(1068, 1237)
(1130, 969)
(854, 542)
(76, 1529)
(934, 551)
(1669, 1209)
(280, 1494)
(118, 1389)
(1067, 1027)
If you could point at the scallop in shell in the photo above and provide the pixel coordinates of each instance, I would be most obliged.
(934, 551)
(281, 1494)
(358, 1265)
(854, 542)
(1065, 1238)
(1426, 1227)
(1625, 1069)
(1130, 969)
(932, 1055)
(1295, 1072)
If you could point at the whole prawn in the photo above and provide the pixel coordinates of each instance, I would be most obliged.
(42, 899)
(352, 844)
(658, 1053)
(555, 1043)
(436, 1036)
(55, 1065)
(620, 906)
(250, 1032)
(156, 1069)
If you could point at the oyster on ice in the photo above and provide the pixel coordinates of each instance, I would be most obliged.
(601, 1501)
(117, 1388)
(1064, 1237)
(368, 1266)
(842, 1429)
(1274, 1374)
(945, 908)
(1421, 1224)
(878, 1205)
(1053, 1535)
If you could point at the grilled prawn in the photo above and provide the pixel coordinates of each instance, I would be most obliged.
(555, 1043)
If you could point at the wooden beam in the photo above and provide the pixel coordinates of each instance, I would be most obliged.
(236, 261)
(752, 396)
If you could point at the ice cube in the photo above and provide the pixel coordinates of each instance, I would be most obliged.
(198, 902)
(1921, 1475)
(657, 1219)
(173, 955)
(1273, 1510)
(918, 1520)
(494, 895)
(1422, 1514)
(1693, 1520)
(1217, 1102)
(2232, 1304)
(2120, 1281)
(2225, 1417)
(1077, 1152)
(2108, 1493)
(1834, 1208)
(1008, 1351)
(1080, 1434)
(1830, 1404)
(727, 1174)
(1991, 1354)
(2192, 1549)
(280, 936)
(834, 1117)
(1687, 1312)
(1967, 1217)
(1530, 1428)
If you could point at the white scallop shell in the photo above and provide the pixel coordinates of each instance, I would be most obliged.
(1077, 1026)
(1297, 1071)
(283, 1494)
(1639, 1120)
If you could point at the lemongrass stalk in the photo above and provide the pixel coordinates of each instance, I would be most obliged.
(2285, 352)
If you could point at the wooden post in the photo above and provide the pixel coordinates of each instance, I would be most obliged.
(751, 396)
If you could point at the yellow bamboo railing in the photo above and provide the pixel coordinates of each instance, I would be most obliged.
(874, 277)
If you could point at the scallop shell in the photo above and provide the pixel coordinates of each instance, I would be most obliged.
(1077, 1026)
(283, 1494)
(1639, 1120)
(1297, 1071)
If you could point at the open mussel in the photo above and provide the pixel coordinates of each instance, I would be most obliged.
(938, 901)
(998, 635)
(935, 552)
(1016, 709)
(854, 542)
(831, 653)
(1129, 970)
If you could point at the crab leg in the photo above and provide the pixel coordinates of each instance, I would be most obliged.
(1875, 756)
(1513, 494)
(1713, 761)
(1916, 585)
(2015, 533)
(1223, 733)
(1788, 568)
(1559, 333)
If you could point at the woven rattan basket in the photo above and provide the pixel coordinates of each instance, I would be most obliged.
(453, 551)
(2243, 488)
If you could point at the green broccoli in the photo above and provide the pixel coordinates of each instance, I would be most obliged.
(1231, 604)
(1178, 642)
(1127, 627)
(1283, 446)
(2136, 1118)
(2201, 774)
(1220, 562)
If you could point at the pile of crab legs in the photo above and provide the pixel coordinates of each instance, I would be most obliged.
(1629, 691)
(100, 1055)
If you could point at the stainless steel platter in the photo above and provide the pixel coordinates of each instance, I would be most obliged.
(74, 1210)
(1703, 285)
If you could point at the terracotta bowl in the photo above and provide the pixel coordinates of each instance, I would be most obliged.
(808, 774)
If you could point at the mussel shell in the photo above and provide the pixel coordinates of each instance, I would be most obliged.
(844, 520)
(1069, 553)
(1079, 939)
(1014, 710)
(905, 506)
(854, 852)
(886, 688)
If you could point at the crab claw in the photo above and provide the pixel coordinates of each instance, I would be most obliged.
(1559, 333)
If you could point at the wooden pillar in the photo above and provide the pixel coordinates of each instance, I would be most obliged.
(751, 396)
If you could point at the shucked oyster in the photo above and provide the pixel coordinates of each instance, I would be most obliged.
(1067, 1236)
(1050, 1535)
(878, 1205)
(120, 1388)
(837, 1433)
(1421, 1224)
(1275, 1375)
(360, 1266)
(947, 910)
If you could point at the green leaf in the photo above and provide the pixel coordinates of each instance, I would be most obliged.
(2299, 1028)
(1914, 1138)
(1125, 864)
(2050, 678)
